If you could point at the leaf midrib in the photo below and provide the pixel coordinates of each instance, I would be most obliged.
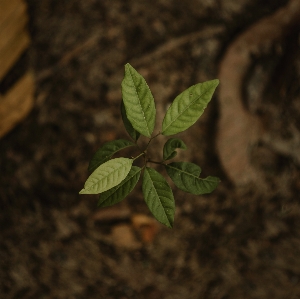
(122, 165)
(131, 77)
(190, 174)
(158, 196)
(124, 182)
(185, 109)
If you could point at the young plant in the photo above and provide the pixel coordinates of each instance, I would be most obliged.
(116, 178)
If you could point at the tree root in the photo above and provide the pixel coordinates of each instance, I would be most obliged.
(238, 129)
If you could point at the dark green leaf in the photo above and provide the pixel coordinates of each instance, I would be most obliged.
(173, 154)
(127, 124)
(119, 192)
(188, 107)
(138, 101)
(158, 196)
(105, 152)
(170, 146)
(107, 176)
(185, 176)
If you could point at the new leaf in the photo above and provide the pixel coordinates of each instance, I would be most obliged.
(138, 101)
(107, 176)
(170, 146)
(188, 107)
(105, 152)
(185, 176)
(158, 197)
(119, 192)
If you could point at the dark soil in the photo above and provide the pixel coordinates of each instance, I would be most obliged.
(233, 243)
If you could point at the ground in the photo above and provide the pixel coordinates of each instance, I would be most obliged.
(241, 241)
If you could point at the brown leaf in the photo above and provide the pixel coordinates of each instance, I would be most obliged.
(123, 236)
(146, 227)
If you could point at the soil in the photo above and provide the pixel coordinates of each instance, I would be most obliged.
(241, 241)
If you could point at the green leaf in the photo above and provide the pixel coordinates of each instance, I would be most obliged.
(127, 124)
(105, 152)
(170, 146)
(107, 176)
(158, 196)
(185, 176)
(138, 101)
(119, 192)
(188, 107)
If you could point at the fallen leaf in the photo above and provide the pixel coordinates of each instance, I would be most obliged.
(146, 227)
(123, 236)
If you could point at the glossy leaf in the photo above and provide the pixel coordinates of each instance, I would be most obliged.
(138, 101)
(105, 152)
(119, 192)
(127, 124)
(185, 176)
(170, 146)
(107, 176)
(158, 196)
(188, 107)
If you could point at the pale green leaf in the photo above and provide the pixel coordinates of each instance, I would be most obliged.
(119, 192)
(105, 152)
(127, 124)
(158, 196)
(185, 176)
(188, 107)
(107, 176)
(138, 101)
(170, 146)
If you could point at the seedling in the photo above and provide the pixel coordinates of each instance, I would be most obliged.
(115, 178)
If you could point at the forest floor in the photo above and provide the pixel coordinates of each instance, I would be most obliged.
(242, 240)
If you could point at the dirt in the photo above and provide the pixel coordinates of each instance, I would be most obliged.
(238, 242)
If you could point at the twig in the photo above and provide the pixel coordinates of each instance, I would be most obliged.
(68, 56)
(175, 43)
(161, 50)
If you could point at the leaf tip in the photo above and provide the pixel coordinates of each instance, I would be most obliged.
(127, 65)
(82, 191)
(216, 82)
(170, 225)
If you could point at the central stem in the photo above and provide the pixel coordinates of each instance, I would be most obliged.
(156, 162)
(152, 139)
(141, 154)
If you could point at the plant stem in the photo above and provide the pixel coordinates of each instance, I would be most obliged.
(152, 139)
(143, 153)
(138, 146)
(156, 162)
